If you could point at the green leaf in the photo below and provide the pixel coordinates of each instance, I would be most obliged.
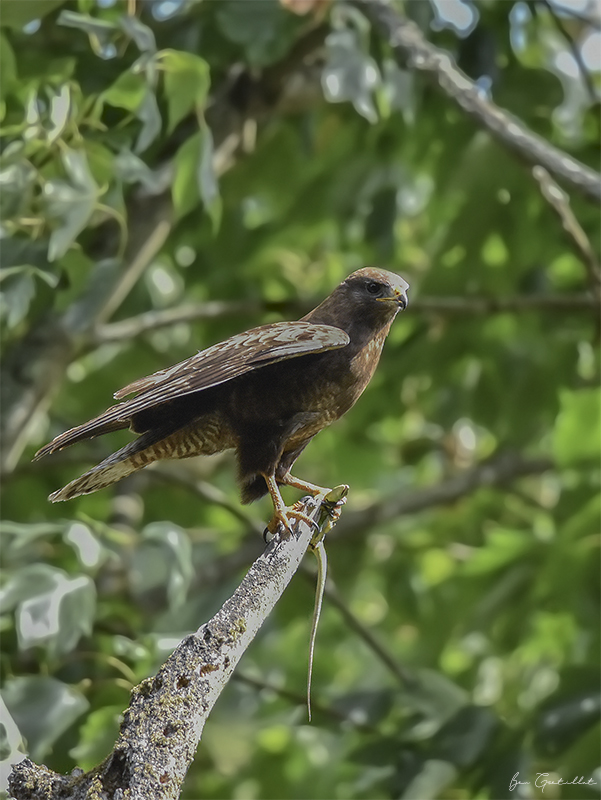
(71, 203)
(60, 108)
(207, 180)
(176, 542)
(12, 746)
(127, 91)
(97, 736)
(435, 776)
(17, 181)
(264, 29)
(131, 169)
(350, 74)
(43, 708)
(578, 426)
(184, 190)
(26, 582)
(17, 295)
(150, 116)
(195, 178)
(8, 67)
(186, 84)
(59, 617)
(17, 13)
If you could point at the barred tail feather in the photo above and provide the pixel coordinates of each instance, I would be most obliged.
(134, 456)
(96, 478)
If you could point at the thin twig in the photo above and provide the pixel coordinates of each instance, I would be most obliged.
(400, 673)
(560, 203)
(208, 492)
(496, 472)
(193, 312)
(135, 269)
(153, 320)
(567, 303)
(574, 50)
(409, 44)
(590, 21)
(298, 699)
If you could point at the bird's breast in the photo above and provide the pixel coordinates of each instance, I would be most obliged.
(306, 394)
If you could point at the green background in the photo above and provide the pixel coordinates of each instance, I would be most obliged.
(176, 176)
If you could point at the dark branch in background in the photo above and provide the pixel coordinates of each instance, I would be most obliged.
(404, 676)
(495, 472)
(591, 21)
(163, 725)
(192, 312)
(326, 711)
(500, 305)
(410, 46)
(206, 491)
(153, 320)
(574, 50)
(560, 203)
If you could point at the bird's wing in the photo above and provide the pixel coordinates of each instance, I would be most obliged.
(222, 362)
(235, 356)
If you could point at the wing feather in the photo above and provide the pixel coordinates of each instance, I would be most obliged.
(218, 364)
(235, 356)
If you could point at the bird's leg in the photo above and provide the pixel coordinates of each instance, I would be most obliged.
(281, 512)
(304, 486)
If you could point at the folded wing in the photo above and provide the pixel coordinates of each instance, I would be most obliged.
(216, 365)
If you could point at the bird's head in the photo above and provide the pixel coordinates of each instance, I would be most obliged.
(370, 285)
(364, 303)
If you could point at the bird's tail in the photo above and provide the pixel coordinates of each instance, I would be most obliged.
(147, 448)
(89, 430)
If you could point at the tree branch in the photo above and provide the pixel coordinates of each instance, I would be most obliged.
(192, 312)
(163, 725)
(560, 203)
(404, 676)
(409, 44)
(495, 472)
(574, 50)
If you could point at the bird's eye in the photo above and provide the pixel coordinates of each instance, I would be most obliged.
(373, 287)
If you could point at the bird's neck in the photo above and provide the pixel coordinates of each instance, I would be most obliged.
(361, 328)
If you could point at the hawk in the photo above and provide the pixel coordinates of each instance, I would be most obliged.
(265, 393)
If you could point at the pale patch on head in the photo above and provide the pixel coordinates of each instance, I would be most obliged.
(383, 276)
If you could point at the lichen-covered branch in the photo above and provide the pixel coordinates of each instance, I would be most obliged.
(163, 725)
(410, 46)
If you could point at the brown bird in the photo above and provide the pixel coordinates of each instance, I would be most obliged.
(265, 393)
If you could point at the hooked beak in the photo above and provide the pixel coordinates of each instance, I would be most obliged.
(400, 298)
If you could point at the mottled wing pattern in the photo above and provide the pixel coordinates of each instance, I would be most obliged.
(235, 356)
(222, 362)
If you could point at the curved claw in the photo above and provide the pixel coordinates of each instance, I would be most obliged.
(281, 516)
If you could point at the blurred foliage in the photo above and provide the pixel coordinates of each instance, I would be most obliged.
(284, 147)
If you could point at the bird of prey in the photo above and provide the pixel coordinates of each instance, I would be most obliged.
(264, 393)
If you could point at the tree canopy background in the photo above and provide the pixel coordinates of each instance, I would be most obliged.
(175, 172)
